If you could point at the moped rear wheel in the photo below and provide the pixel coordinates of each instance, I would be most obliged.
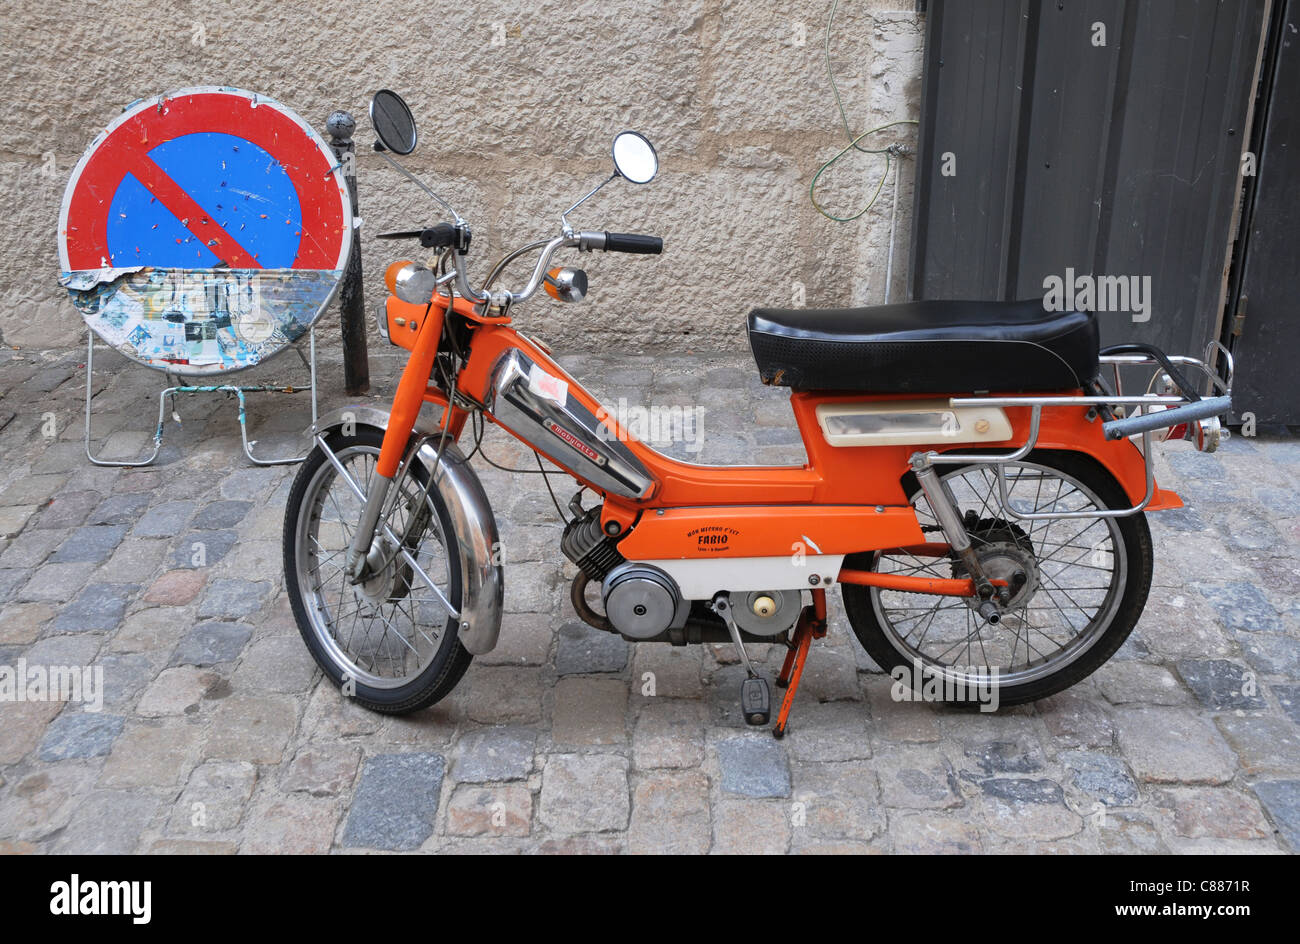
(1086, 582)
(389, 642)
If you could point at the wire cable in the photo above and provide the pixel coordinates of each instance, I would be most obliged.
(479, 427)
(853, 145)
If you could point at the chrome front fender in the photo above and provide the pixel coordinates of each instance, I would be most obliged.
(482, 581)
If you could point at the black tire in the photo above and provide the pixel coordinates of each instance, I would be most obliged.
(864, 610)
(449, 661)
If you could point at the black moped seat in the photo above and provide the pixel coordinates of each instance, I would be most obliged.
(926, 347)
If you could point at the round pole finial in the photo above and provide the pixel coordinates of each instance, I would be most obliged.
(340, 125)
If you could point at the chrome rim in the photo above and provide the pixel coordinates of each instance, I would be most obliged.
(1079, 570)
(385, 632)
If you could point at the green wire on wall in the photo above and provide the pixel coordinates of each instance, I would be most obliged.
(853, 145)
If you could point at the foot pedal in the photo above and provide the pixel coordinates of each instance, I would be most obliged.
(756, 700)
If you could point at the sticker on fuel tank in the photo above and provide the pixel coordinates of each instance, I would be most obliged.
(547, 386)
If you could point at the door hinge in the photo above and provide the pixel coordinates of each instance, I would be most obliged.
(1239, 317)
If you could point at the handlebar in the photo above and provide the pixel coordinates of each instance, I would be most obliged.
(583, 242)
(456, 237)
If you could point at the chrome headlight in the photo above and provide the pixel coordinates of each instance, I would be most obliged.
(411, 282)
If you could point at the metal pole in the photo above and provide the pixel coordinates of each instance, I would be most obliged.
(893, 221)
(356, 365)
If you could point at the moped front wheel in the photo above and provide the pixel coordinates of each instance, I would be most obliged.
(1085, 582)
(389, 642)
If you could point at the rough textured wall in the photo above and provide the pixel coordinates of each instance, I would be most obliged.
(517, 103)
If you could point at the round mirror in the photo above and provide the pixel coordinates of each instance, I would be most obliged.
(393, 122)
(635, 158)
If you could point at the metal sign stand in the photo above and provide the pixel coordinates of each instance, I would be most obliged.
(211, 210)
(228, 389)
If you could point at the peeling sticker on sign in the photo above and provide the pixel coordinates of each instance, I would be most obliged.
(202, 320)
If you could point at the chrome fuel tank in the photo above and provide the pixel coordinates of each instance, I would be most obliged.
(537, 406)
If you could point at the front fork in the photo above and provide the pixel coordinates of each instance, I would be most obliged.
(406, 409)
(363, 546)
(944, 506)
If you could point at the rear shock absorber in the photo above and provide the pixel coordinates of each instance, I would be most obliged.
(944, 507)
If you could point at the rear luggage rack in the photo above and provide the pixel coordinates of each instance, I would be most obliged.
(1179, 406)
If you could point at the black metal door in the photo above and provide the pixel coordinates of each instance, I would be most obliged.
(1267, 350)
(1051, 144)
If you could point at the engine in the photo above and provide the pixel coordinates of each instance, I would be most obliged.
(584, 543)
(643, 602)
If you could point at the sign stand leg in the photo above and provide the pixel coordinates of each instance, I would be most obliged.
(243, 425)
(158, 432)
(238, 390)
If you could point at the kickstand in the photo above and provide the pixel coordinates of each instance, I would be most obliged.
(755, 696)
(812, 625)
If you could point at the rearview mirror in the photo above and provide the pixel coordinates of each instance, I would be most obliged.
(635, 159)
(393, 123)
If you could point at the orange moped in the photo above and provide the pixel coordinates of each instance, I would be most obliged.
(975, 485)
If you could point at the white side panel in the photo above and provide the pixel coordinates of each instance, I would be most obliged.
(701, 579)
(910, 423)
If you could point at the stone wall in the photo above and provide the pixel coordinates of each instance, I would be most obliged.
(517, 103)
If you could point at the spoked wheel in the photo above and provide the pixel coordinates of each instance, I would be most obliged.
(389, 641)
(1080, 584)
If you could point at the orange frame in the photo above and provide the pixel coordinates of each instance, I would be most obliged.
(855, 495)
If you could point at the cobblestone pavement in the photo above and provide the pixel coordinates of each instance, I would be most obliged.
(218, 735)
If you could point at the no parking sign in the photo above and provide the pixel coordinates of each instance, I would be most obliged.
(204, 230)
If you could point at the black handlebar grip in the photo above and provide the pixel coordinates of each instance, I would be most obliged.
(438, 237)
(634, 243)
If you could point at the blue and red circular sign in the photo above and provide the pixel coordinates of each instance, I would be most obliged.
(204, 229)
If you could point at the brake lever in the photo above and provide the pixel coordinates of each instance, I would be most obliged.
(438, 236)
